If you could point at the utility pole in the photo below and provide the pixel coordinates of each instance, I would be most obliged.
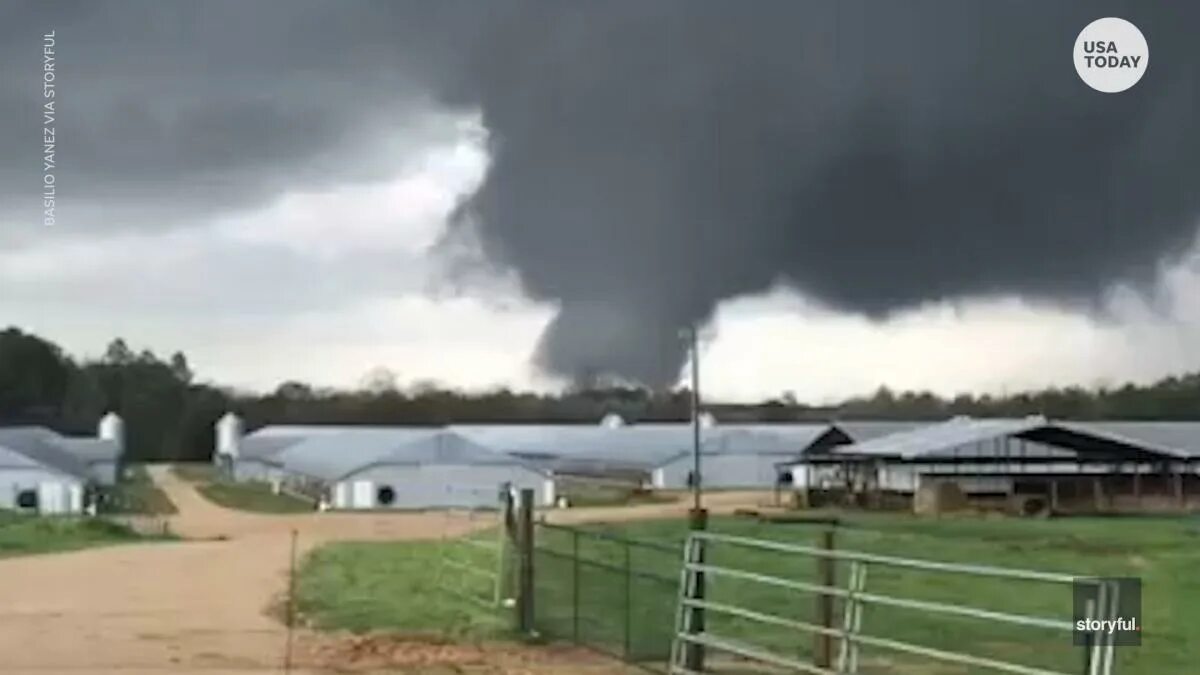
(698, 518)
(693, 336)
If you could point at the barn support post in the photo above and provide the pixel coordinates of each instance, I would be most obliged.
(1098, 493)
(525, 609)
(1178, 480)
(1053, 495)
(1137, 482)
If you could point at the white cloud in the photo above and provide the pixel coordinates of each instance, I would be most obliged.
(404, 214)
(778, 342)
(324, 286)
(464, 342)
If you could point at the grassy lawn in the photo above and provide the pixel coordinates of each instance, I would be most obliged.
(195, 472)
(248, 496)
(258, 497)
(25, 535)
(397, 586)
(137, 494)
(580, 492)
(1163, 552)
(362, 586)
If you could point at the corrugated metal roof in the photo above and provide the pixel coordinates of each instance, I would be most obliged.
(446, 447)
(308, 430)
(89, 449)
(773, 439)
(11, 459)
(329, 456)
(38, 445)
(1178, 437)
(865, 430)
(266, 447)
(933, 439)
(329, 452)
(629, 446)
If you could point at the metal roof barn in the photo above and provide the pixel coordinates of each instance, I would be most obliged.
(585, 448)
(865, 430)
(438, 469)
(988, 456)
(743, 456)
(330, 456)
(37, 475)
(1174, 437)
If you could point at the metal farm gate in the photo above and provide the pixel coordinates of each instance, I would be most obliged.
(612, 593)
(735, 617)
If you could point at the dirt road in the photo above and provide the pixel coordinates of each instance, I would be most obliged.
(200, 606)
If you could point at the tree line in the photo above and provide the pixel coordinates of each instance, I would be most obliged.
(169, 415)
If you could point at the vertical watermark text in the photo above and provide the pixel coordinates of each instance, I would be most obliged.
(49, 135)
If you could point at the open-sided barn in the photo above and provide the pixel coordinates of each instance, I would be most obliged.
(1060, 466)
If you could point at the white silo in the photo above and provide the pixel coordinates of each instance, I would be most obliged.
(112, 428)
(612, 421)
(229, 435)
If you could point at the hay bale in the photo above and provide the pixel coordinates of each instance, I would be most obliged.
(939, 496)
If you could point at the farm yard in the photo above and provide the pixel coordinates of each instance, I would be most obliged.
(356, 586)
(370, 598)
(210, 603)
(29, 535)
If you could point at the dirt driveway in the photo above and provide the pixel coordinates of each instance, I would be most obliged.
(200, 606)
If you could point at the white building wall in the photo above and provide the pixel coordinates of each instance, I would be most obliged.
(105, 472)
(57, 493)
(437, 486)
(255, 470)
(719, 471)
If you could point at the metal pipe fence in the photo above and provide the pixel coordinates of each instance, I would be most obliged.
(476, 566)
(609, 593)
(739, 616)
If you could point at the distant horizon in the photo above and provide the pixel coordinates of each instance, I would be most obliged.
(415, 388)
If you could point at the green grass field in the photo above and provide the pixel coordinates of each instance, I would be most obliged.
(381, 585)
(1163, 552)
(394, 586)
(137, 494)
(26, 535)
(195, 472)
(257, 497)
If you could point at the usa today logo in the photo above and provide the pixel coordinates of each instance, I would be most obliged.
(1111, 55)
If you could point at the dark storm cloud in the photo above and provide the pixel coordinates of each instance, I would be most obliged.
(169, 111)
(653, 159)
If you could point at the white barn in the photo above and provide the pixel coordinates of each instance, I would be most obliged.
(38, 476)
(438, 470)
(370, 467)
(744, 456)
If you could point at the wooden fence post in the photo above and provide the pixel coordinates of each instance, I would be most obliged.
(525, 585)
(826, 576)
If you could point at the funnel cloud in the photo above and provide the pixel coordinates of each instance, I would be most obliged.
(647, 160)
(652, 160)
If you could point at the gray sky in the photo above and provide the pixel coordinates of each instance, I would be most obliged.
(514, 193)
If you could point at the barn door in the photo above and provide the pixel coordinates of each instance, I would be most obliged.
(363, 499)
(51, 498)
